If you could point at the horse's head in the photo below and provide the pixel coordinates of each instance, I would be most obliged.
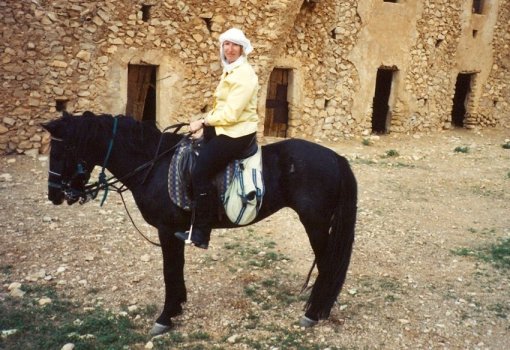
(69, 168)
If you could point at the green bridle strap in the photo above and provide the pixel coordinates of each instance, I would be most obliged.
(102, 175)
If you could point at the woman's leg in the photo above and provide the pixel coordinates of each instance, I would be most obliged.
(214, 157)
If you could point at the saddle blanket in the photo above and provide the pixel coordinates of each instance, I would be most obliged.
(239, 186)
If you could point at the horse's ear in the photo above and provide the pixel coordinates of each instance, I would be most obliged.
(54, 127)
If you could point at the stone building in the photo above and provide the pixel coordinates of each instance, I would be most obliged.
(328, 69)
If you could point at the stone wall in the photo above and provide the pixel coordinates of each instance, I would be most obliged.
(74, 54)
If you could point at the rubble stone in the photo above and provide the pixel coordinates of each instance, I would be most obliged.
(62, 51)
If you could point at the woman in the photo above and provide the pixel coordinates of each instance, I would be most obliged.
(228, 128)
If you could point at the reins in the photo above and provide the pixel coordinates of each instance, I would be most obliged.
(103, 183)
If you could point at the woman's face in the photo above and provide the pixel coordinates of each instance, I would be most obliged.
(232, 51)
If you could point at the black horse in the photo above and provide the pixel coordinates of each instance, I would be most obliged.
(312, 180)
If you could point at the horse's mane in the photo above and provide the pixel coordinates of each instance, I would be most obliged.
(132, 136)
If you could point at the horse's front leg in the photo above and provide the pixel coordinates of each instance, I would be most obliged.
(173, 272)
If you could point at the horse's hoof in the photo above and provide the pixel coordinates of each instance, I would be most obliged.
(307, 322)
(158, 329)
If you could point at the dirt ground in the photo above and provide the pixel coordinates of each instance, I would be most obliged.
(412, 282)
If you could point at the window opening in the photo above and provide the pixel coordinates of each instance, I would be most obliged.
(460, 98)
(394, 1)
(478, 6)
(208, 23)
(277, 106)
(380, 107)
(141, 102)
(61, 105)
(146, 12)
(308, 5)
(475, 33)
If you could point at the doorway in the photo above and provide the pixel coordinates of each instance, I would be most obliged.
(460, 98)
(277, 105)
(380, 108)
(141, 101)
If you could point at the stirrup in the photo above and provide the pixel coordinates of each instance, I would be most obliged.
(186, 237)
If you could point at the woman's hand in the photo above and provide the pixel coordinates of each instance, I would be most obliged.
(196, 125)
(197, 134)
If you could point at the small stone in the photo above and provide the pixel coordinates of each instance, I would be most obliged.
(68, 346)
(233, 339)
(17, 293)
(14, 285)
(44, 301)
(9, 121)
(8, 332)
(145, 258)
(5, 177)
(149, 345)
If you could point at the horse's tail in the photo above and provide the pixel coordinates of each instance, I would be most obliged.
(334, 259)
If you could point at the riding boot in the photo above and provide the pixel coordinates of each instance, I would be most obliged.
(202, 214)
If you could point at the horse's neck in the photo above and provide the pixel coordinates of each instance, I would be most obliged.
(131, 168)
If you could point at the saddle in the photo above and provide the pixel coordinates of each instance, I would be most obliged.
(239, 187)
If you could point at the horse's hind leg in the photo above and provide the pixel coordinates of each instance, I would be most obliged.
(173, 272)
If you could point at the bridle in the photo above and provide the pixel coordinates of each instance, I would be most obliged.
(76, 189)
(73, 187)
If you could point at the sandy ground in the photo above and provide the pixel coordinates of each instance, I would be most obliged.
(408, 285)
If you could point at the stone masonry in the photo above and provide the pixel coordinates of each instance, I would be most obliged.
(75, 54)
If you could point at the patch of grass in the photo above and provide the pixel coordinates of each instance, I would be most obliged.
(497, 254)
(367, 142)
(461, 149)
(506, 145)
(363, 161)
(60, 322)
(169, 340)
(391, 153)
(199, 335)
(149, 310)
(6, 269)
(285, 339)
(463, 252)
(257, 257)
(501, 310)
(270, 244)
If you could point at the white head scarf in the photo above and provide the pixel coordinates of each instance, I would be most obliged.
(237, 37)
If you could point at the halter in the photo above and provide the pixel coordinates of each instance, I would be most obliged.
(90, 191)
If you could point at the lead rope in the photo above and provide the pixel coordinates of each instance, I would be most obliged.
(133, 222)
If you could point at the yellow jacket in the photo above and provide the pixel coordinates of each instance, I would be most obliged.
(235, 106)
